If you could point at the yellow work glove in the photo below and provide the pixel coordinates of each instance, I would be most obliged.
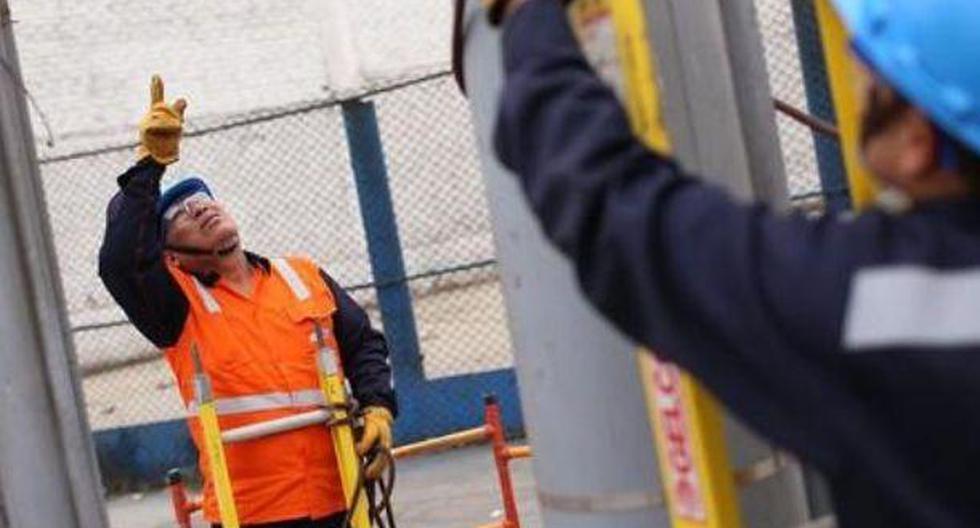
(161, 127)
(377, 431)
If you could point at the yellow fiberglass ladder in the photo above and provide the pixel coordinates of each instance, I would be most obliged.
(687, 422)
(337, 415)
(843, 72)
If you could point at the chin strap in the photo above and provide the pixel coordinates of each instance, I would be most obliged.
(200, 252)
(949, 157)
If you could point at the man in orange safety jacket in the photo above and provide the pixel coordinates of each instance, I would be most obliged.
(175, 263)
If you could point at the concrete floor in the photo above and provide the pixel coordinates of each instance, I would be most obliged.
(456, 489)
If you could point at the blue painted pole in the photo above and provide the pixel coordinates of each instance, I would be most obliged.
(367, 159)
(833, 177)
(427, 407)
(384, 248)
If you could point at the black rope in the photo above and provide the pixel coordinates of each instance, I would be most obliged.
(386, 491)
(386, 485)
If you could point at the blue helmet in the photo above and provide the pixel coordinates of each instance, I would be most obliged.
(176, 193)
(928, 50)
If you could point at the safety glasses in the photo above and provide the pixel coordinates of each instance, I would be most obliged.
(187, 205)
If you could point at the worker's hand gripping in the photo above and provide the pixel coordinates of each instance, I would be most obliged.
(162, 127)
(497, 11)
(377, 433)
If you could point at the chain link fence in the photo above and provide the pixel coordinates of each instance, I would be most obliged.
(286, 177)
(797, 78)
(786, 82)
(438, 191)
(284, 169)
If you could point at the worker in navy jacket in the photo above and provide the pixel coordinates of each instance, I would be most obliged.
(855, 343)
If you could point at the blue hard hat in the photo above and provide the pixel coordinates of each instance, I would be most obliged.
(928, 50)
(180, 190)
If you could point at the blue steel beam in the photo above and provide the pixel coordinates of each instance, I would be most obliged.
(833, 178)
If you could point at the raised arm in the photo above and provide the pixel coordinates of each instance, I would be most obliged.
(131, 258)
(717, 286)
(363, 350)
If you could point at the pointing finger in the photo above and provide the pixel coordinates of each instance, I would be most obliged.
(156, 90)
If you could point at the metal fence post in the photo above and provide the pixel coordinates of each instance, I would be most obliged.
(47, 464)
(384, 246)
(833, 178)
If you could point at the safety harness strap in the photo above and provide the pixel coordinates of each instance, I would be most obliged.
(282, 266)
(210, 303)
(292, 278)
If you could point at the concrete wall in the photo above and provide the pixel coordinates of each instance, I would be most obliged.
(88, 62)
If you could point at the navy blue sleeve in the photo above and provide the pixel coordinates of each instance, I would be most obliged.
(131, 258)
(363, 351)
(744, 298)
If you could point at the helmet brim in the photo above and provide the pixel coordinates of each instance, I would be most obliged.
(851, 12)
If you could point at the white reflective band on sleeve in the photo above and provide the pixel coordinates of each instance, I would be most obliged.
(292, 278)
(210, 303)
(913, 306)
(265, 402)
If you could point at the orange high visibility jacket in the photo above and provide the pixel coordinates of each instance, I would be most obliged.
(260, 355)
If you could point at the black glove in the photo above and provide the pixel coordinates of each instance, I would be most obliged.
(497, 10)
(497, 13)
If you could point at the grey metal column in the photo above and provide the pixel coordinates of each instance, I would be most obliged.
(594, 459)
(719, 109)
(47, 463)
(717, 100)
